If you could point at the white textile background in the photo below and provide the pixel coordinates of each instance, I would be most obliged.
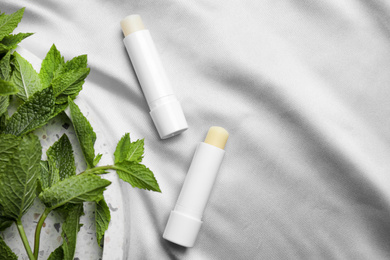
(303, 87)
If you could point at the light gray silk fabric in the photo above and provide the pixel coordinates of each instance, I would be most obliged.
(303, 87)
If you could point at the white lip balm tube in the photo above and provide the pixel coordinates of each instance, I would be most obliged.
(165, 109)
(185, 220)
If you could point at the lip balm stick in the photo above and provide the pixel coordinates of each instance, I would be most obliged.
(185, 220)
(165, 109)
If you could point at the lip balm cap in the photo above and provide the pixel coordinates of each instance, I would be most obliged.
(169, 119)
(182, 229)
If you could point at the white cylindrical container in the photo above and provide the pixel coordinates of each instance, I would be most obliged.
(165, 109)
(186, 219)
(200, 180)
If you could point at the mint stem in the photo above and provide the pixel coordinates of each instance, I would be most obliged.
(38, 232)
(24, 239)
(99, 168)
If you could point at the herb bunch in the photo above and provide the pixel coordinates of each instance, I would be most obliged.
(24, 177)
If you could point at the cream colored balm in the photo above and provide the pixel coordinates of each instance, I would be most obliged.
(186, 219)
(165, 109)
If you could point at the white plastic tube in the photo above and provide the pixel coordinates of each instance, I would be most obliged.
(165, 109)
(186, 219)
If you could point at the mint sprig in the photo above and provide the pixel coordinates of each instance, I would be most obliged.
(24, 177)
(128, 156)
(19, 182)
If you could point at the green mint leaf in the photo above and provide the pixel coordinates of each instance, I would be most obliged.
(8, 23)
(5, 223)
(70, 228)
(8, 146)
(127, 151)
(84, 133)
(5, 67)
(6, 252)
(57, 254)
(75, 189)
(44, 179)
(68, 84)
(102, 219)
(137, 175)
(11, 41)
(24, 77)
(3, 48)
(54, 172)
(76, 63)
(51, 66)
(3, 119)
(136, 151)
(63, 99)
(70, 79)
(4, 103)
(7, 88)
(61, 157)
(122, 148)
(18, 182)
(97, 159)
(34, 113)
(58, 109)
